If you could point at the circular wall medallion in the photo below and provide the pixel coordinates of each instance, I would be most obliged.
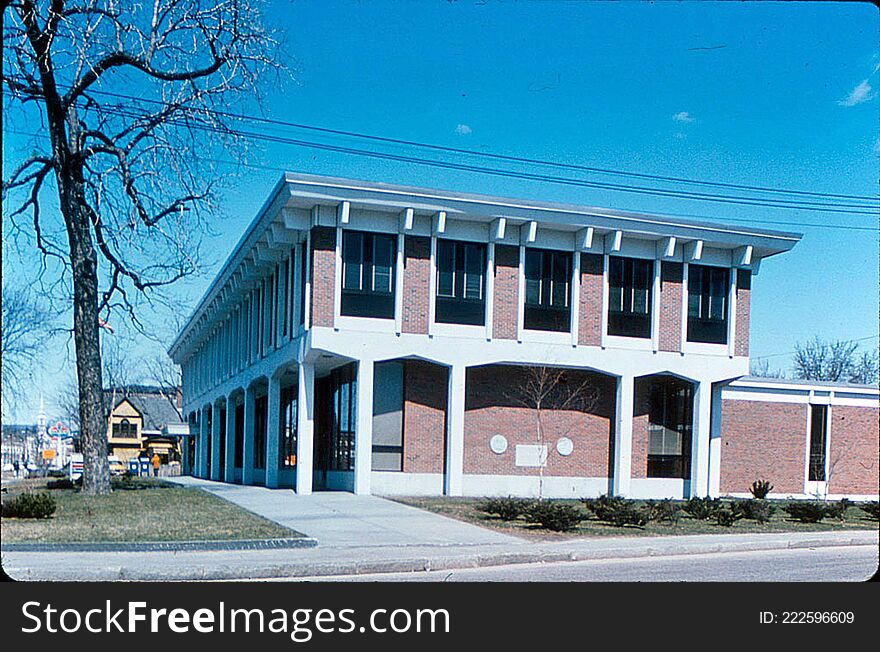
(498, 444)
(564, 446)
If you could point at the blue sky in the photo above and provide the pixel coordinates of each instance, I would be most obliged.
(772, 94)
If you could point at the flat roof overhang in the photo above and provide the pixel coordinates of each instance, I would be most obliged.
(295, 190)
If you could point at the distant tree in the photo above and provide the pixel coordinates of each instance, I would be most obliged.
(25, 325)
(133, 180)
(541, 389)
(837, 361)
(762, 368)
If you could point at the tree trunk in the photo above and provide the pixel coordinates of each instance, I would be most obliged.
(84, 266)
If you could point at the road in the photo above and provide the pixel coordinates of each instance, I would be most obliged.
(845, 563)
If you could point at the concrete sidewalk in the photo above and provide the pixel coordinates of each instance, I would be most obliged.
(342, 520)
(317, 562)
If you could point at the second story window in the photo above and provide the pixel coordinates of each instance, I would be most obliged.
(707, 304)
(461, 276)
(548, 287)
(629, 296)
(368, 274)
(125, 429)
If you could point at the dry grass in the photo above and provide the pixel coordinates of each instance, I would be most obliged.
(159, 512)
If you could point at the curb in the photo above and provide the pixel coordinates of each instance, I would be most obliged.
(439, 563)
(165, 546)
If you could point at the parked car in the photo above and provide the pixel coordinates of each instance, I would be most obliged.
(116, 466)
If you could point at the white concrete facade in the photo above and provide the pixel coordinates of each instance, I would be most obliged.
(230, 354)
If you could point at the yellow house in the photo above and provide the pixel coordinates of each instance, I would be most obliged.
(141, 421)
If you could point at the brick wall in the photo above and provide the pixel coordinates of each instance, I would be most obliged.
(590, 304)
(323, 266)
(671, 275)
(424, 416)
(763, 441)
(852, 456)
(492, 407)
(743, 292)
(504, 307)
(416, 284)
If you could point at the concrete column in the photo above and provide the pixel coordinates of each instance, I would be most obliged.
(247, 462)
(273, 424)
(700, 439)
(363, 441)
(229, 462)
(305, 427)
(455, 430)
(715, 444)
(202, 452)
(623, 436)
(216, 462)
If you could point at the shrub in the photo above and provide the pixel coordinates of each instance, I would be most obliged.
(663, 511)
(727, 515)
(63, 483)
(754, 509)
(507, 509)
(702, 509)
(29, 505)
(838, 509)
(598, 505)
(872, 509)
(760, 488)
(806, 511)
(620, 512)
(559, 517)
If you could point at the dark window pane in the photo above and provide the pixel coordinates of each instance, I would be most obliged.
(630, 284)
(445, 268)
(818, 414)
(461, 269)
(670, 417)
(368, 274)
(707, 304)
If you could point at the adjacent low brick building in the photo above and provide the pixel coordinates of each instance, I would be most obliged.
(377, 338)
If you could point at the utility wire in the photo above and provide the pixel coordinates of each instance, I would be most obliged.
(776, 355)
(724, 199)
(510, 158)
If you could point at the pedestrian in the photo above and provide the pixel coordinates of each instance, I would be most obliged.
(156, 462)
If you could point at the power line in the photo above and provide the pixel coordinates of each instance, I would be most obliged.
(491, 155)
(679, 215)
(776, 355)
(724, 199)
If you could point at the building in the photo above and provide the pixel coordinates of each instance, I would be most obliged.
(382, 339)
(142, 420)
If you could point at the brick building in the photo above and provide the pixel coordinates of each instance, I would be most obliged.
(394, 340)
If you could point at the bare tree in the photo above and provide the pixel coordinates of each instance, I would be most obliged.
(762, 368)
(837, 361)
(23, 331)
(133, 178)
(542, 388)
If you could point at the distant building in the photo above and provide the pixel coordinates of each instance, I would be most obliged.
(20, 445)
(142, 420)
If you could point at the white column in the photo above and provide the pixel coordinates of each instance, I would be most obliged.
(623, 436)
(363, 441)
(216, 471)
(203, 444)
(715, 444)
(575, 300)
(305, 428)
(247, 462)
(273, 422)
(700, 439)
(229, 462)
(455, 430)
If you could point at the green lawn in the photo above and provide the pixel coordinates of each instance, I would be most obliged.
(467, 509)
(158, 511)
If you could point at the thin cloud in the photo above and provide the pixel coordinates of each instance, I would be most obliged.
(682, 116)
(877, 146)
(463, 130)
(861, 93)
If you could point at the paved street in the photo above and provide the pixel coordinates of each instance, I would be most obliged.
(849, 564)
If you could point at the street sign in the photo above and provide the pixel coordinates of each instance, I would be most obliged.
(49, 454)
